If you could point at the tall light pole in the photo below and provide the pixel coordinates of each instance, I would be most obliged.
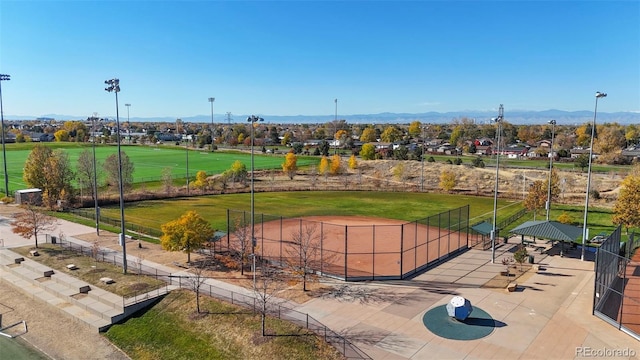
(422, 161)
(335, 127)
(186, 147)
(498, 120)
(253, 120)
(4, 77)
(586, 200)
(95, 173)
(128, 125)
(553, 129)
(113, 85)
(211, 100)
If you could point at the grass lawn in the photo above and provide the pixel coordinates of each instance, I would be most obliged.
(173, 330)
(393, 205)
(149, 161)
(90, 271)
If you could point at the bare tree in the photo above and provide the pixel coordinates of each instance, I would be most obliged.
(303, 253)
(313, 176)
(84, 171)
(197, 279)
(242, 242)
(266, 287)
(96, 252)
(32, 222)
(167, 180)
(112, 167)
(139, 260)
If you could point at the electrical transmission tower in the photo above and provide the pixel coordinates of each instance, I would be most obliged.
(229, 117)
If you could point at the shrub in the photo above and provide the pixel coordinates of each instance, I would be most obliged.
(520, 256)
(478, 162)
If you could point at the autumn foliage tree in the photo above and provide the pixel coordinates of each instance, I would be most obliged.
(32, 222)
(626, 210)
(368, 152)
(353, 162)
(201, 180)
(289, 167)
(188, 233)
(368, 135)
(536, 197)
(323, 168)
(50, 171)
(336, 165)
(447, 180)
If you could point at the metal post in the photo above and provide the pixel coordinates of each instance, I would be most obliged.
(422, 162)
(252, 122)
(128, 125)
(548, 205)
(114, 86)
(335, 127)
(95, 174)
(4, 77)
(495, 193)
(254, 271)
(211, 100)
(586, 200)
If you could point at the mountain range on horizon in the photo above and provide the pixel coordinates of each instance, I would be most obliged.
(516, 117)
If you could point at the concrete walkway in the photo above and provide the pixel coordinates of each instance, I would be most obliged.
(548, 318)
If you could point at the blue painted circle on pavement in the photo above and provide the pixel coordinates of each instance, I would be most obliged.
(478, 325)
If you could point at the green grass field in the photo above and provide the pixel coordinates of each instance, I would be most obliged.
(393, 205)
(149, 161)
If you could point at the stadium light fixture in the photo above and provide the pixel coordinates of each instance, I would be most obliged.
(253, 120)
(113, 85)
(548, 204)
(498, 120)
(586, 200)
(4, 77)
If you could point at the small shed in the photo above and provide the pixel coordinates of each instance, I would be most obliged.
(28, 196)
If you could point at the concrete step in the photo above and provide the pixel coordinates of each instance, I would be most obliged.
(84, 317)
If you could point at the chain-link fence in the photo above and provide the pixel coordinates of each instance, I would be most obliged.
(617, 286)
(343, 345)
(350, 250)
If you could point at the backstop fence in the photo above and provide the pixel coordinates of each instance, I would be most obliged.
(616, 298)
(352, 251)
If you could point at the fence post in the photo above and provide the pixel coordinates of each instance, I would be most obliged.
(307, 321)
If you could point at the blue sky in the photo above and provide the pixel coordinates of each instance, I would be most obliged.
(296, 57)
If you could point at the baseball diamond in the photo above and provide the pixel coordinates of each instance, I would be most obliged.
(354, 247)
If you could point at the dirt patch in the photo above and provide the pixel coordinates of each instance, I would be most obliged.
(517, 275)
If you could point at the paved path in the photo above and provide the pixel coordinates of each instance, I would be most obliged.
(549, 318)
